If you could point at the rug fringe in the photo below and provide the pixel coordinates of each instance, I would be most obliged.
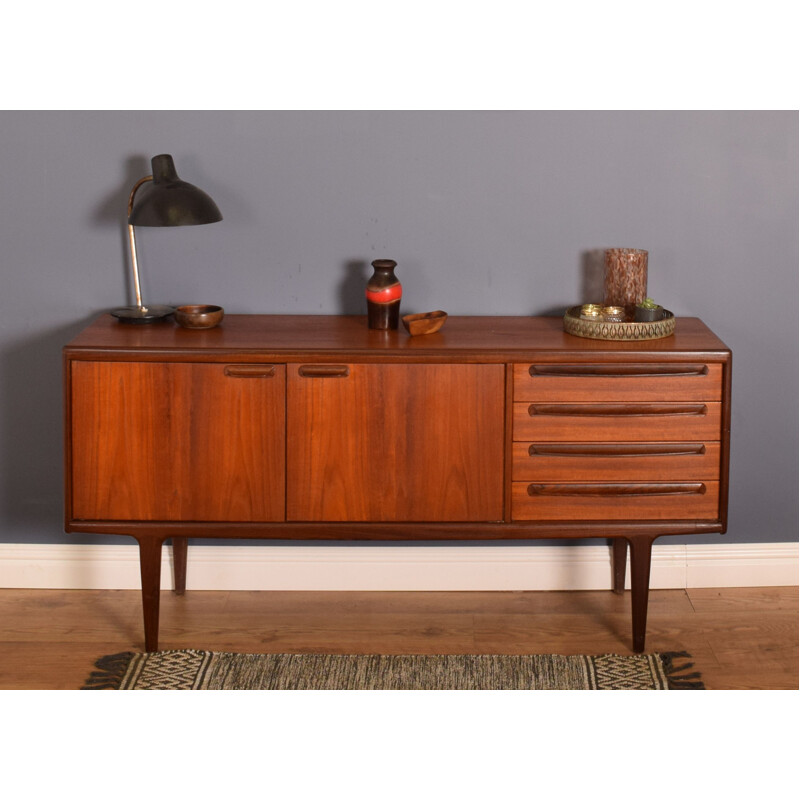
(110, 671)
(677, 677)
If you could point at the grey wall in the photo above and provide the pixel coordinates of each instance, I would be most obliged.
(485, 212)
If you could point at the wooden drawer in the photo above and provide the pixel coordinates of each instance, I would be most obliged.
(615, 461)
(617, 422)
(639, 383)
(615, 501)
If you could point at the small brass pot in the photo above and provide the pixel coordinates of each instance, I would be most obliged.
(648, 314)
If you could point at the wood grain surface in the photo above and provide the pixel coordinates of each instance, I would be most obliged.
(739, 638)
(478, 338)
(586, 422)
(611, 382)
(166, 441)
(584, 461)
(396, 442)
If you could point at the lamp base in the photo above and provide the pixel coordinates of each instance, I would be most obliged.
(139, 315)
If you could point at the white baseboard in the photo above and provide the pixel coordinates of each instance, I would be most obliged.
(512, 567)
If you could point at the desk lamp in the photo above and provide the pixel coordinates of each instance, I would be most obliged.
(169, 201)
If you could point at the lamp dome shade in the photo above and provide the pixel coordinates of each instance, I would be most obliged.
(170, 201)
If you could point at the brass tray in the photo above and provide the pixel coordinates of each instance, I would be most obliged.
(618, 331)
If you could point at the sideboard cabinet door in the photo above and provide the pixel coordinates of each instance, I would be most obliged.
(395, 442)
(177, 442)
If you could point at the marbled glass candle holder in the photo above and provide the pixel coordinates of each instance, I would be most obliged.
(625, 281)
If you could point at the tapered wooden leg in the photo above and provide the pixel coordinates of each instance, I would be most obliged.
(641, 550)
(619, 551)
(150, 563)
(180, 547)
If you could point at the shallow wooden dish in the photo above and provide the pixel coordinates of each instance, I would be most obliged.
(199, 316)
(429, 322)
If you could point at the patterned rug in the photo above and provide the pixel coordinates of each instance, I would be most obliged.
(196, 669)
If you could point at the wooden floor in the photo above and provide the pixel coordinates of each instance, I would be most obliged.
(739, 638)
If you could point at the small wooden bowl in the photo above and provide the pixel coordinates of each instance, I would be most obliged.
(197, 317)
(429, 322)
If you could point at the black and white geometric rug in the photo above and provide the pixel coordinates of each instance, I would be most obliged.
(199, 670)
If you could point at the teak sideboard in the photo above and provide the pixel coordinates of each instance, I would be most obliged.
(315, 427)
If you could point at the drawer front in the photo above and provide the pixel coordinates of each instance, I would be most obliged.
(617, 382)
(638, 461)
(615, 501)
(617, 422)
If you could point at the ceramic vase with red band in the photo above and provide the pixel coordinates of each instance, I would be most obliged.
(384, 291)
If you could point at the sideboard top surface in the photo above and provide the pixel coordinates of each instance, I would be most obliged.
(488, 338)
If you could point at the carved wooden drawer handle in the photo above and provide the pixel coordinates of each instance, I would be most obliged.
(323, 371)
(620, 370)
(250, 370)
(617, 409)
(622, 450)
(614, 489)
